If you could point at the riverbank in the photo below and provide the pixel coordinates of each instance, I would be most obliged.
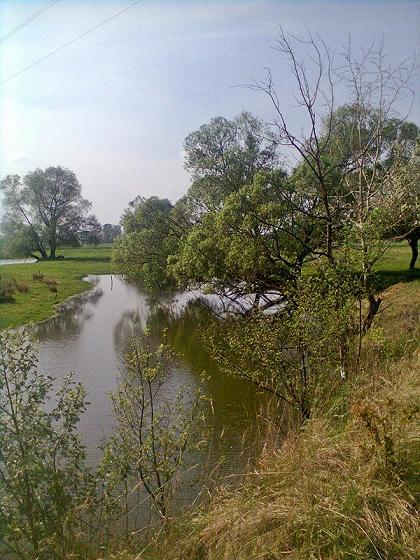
(343, 487)
(39, 302)
(55, 281)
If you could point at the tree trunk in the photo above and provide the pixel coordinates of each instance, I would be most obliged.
(413, 239)
(373, 310)
(43, 252)
(52, 238)
(38, 243)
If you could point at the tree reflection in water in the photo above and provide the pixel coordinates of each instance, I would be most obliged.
(71, 317)
(234, 404)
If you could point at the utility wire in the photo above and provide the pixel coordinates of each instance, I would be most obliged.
(28, 20)
(55, 51)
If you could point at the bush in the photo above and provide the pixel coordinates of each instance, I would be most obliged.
(21, 287)
(6, 292)
(45, 484)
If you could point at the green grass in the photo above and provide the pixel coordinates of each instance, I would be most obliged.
(393, 266)
(39, 302)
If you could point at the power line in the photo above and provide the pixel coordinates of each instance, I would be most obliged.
(28, 20)
(55, 51)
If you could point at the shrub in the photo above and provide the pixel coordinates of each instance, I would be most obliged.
(37, 276)
(6, 292)
(44, 480)
(21, 287)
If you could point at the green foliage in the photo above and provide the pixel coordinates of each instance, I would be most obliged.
(298, 353)
(256, 242)
(51, 504)
(44, 481)
(223, 155)
(141, 253)
(45, 209)
(154, 433)
(18, 240)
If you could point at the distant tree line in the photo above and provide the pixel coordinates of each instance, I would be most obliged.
(106, 233)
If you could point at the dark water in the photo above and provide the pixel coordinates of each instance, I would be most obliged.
(92, 331)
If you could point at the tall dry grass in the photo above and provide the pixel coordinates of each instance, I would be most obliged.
(344, 487)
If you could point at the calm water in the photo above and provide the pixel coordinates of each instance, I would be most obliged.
(92, 331)
(17, 261)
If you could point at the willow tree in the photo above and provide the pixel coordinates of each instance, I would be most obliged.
(50, 203)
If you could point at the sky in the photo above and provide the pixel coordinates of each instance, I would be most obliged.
(116, 105)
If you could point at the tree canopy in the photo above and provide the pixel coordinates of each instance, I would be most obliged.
(47, 205)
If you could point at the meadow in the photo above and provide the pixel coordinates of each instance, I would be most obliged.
(44, 284)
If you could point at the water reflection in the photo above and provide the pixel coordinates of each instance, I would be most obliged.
(71, 317)
(90, 334)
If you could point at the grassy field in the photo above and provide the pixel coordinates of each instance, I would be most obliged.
(40, 299)
(393, 266)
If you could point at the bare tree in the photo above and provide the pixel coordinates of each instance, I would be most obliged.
(350, 152)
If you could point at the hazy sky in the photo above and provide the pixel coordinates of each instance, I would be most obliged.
(116, 105)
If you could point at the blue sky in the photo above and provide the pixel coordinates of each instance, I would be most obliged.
(116, 106)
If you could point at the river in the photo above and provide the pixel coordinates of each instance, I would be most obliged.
(17, 261)
(92, 331)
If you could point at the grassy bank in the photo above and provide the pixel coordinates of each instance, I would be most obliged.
(40, 299)
(345, 486)
(35, 299)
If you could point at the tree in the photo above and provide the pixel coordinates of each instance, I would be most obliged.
(153, 433)
(349, 152)
(294, 353)
(44, 481)
(403, 197)
(49, 202)
(17, 238)
(223, 155)
(255, 244)
(91, 232)
(141, 253)
(110, 232)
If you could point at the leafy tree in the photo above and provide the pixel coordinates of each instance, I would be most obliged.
(141, 253)
(44, 480)
(294, 354)
(91, 232)
(110, 232)
(153, 433)
(225, 154)
(222, 156)
(49, 203)
(256, 243)
(17, 238)
(403, 203)
(350, 151)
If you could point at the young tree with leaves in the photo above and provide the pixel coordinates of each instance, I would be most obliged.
(153, 434)
(44, 482)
